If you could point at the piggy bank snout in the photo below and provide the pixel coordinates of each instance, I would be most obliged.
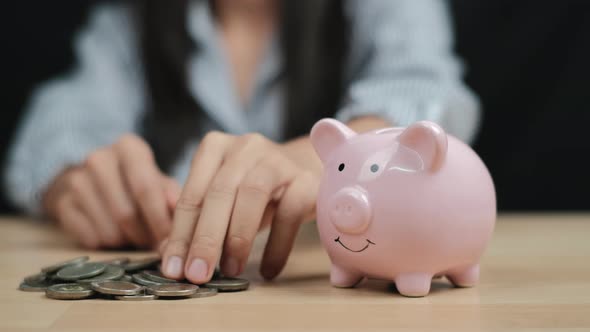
(350, 211)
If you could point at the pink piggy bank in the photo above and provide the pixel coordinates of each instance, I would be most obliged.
(402, 204)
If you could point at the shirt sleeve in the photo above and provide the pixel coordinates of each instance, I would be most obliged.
(403, 67)
(90, 107)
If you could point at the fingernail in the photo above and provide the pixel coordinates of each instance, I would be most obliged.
(231, 267)
(198, 270)
(174, 267)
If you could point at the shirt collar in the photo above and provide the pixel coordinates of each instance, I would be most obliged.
(200, 22)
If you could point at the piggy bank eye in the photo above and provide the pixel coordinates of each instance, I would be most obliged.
(374, 168)
(375, 164)
(341, 167)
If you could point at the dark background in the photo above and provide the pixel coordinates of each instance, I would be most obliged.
(527, 60)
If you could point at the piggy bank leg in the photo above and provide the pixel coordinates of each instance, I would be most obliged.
(413, 284)
(344, 278)
(465, 276)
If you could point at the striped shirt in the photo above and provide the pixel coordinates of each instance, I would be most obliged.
(401, 67)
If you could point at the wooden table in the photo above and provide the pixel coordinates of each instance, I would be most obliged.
(535, 276)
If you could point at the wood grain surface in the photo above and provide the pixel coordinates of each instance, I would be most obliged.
(535, 276)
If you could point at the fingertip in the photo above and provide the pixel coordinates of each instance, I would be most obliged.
(269, 272)
(172, 267)
(231, 267)
(173, 253)
(197, 271)
(235, 253)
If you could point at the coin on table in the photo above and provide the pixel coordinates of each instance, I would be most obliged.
(81, 271)
(204, 292)
(226, 284)
(126, 277)
(139, 278)
(141, 264)
(138, 297)
(55, 267)
(36, 278)
(173, 290)
(116, 287)
(34, 286)
(117, 261)
(69, 292)
(111, 272)
(31, 288)
(157, 277)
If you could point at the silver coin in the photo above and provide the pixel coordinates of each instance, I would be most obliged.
(173, 290)
(117, 261)
(141, 264)
(69, 292)
(139, 297)
(81, 271)
(36, 283)
(111, 272)
(204, 292)
(116, 287)
(53, 268)
(126, 277)
(226, 284)
(34, 287)
(142, 280)
(52, 277)
(157, 277)
(36, 278)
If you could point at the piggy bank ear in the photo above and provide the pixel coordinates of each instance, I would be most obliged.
(327, 134)
(428, 140)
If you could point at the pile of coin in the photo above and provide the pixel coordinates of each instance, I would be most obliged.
(121, 279)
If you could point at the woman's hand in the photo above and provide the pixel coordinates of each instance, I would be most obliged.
(117, 197)
(236, 186)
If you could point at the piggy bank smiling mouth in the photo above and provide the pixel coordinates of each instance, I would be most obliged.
(369, 242)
